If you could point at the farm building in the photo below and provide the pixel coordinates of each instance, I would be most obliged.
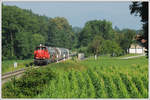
(136, 48)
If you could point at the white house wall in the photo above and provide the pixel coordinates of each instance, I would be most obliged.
(140, 50)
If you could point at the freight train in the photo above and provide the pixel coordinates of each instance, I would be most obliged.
(46, 54)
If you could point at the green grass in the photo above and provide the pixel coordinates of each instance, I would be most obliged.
(103, 78)
(8, 65)
(129, 55)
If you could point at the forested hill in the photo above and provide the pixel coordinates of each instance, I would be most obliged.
(22, 31)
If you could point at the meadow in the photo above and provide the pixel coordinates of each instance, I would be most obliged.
(105, 77)
(8, 65)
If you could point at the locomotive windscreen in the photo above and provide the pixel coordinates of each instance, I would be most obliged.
(41, 48)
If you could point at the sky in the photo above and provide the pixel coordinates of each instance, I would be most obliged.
(78, 13)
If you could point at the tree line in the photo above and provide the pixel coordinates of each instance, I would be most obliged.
(99, 37)
(23, 30)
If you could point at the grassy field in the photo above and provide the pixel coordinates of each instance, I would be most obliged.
(129, 55)
(8, 65)
(103, 78)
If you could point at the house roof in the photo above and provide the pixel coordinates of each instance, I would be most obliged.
(133, 46)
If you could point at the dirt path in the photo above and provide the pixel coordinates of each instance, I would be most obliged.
(132, 57)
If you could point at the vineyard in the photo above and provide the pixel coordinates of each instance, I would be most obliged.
(103, 78)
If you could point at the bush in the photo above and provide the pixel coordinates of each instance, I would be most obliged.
(30, 84)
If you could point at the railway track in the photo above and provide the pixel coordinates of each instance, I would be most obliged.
(10, 74)
(7, 76)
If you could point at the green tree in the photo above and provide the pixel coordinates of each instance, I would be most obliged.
(18, 27)
(37, 39)
(96, 45)
(76, 31)
(112, 48)
(60, 33)
(126, 39)
(102, 28)
(115, 49)
(9, 29)
(22, 47)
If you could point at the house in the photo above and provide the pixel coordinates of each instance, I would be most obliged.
(137, 49)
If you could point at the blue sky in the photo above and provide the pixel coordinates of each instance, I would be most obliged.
(78, 13)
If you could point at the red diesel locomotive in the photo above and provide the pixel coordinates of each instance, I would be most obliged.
(41, 55)
(45, 54)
